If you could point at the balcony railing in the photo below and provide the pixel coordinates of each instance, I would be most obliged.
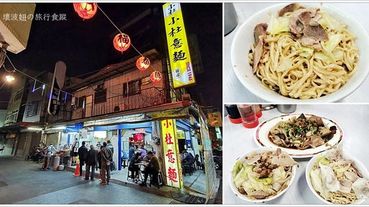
(147, 97)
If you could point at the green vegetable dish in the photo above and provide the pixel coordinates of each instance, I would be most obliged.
(262, 175)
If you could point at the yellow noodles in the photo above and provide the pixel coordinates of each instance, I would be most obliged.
(302, 72)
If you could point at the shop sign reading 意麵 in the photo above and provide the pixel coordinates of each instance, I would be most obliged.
(171, 153)
(179, 53)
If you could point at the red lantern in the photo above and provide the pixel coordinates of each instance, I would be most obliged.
(85, 10)
(121, 42)
(142, 63)
(156, 76)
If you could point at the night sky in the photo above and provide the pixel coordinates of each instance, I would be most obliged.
(86, 45)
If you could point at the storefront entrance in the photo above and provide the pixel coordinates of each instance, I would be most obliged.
(191, 155)
(182, 146)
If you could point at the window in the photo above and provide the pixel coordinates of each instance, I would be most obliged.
(81, 102)
(100, 95)
(32, 109)
(18, 95)
(133, 88)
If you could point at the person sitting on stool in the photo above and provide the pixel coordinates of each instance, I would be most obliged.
(133, 166)
(152, 169)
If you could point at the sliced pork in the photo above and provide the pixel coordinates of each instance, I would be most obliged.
(259, 34)
(289, 8)
(305, 27)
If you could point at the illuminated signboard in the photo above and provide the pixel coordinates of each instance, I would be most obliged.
(171, 153)
(179, 53)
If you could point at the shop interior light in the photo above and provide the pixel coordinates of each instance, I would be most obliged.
(9, 78)
(34, 128)
(60, 127)
(100, 134)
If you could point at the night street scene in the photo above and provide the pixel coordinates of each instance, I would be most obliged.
(111, 103)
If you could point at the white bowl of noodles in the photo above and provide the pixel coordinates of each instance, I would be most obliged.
(336, 177)
(254, 181)
(244, 41)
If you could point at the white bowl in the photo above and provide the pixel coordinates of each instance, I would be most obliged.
(262, 139)
(244, 38)
(245, 198)
(360, 166)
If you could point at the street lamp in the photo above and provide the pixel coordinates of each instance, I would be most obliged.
(9, 78)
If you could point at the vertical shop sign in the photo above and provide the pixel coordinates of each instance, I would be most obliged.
(170, 153)
(55, 98)
(179, 53)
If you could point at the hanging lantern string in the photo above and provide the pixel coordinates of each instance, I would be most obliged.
(25, 74)
(119, 30)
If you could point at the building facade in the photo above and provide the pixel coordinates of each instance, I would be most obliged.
(123, 105)
(26, 114)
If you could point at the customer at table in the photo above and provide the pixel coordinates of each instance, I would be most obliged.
(131, 152)
(106, 160)
(151, 169)
(91, 163)
(133, 166)
(82, 155)
(143, 152)
(183, 155)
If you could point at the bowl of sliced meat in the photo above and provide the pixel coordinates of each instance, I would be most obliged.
(300, 135)
(301, 52)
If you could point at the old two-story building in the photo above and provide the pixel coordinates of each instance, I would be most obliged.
(13, 38)
(22, 117)
(122, 104)
(26, 114)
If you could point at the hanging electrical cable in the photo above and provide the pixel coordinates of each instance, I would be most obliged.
(121, 42)
(29, 76)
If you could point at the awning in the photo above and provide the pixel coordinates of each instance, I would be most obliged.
(124, 126)
(17, 127)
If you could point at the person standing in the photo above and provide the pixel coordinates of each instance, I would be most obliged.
(82, 155)
(124, 159)
(91, 163)
(152, 169)
(111, 148)
(74, 151)
(99, 161)
(106, 159)
(50, 150)
(45, 164)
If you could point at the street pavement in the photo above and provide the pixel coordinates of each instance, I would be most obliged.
(23, 182)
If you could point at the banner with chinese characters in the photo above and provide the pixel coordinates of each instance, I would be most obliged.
(179, 53)
(174, 177)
